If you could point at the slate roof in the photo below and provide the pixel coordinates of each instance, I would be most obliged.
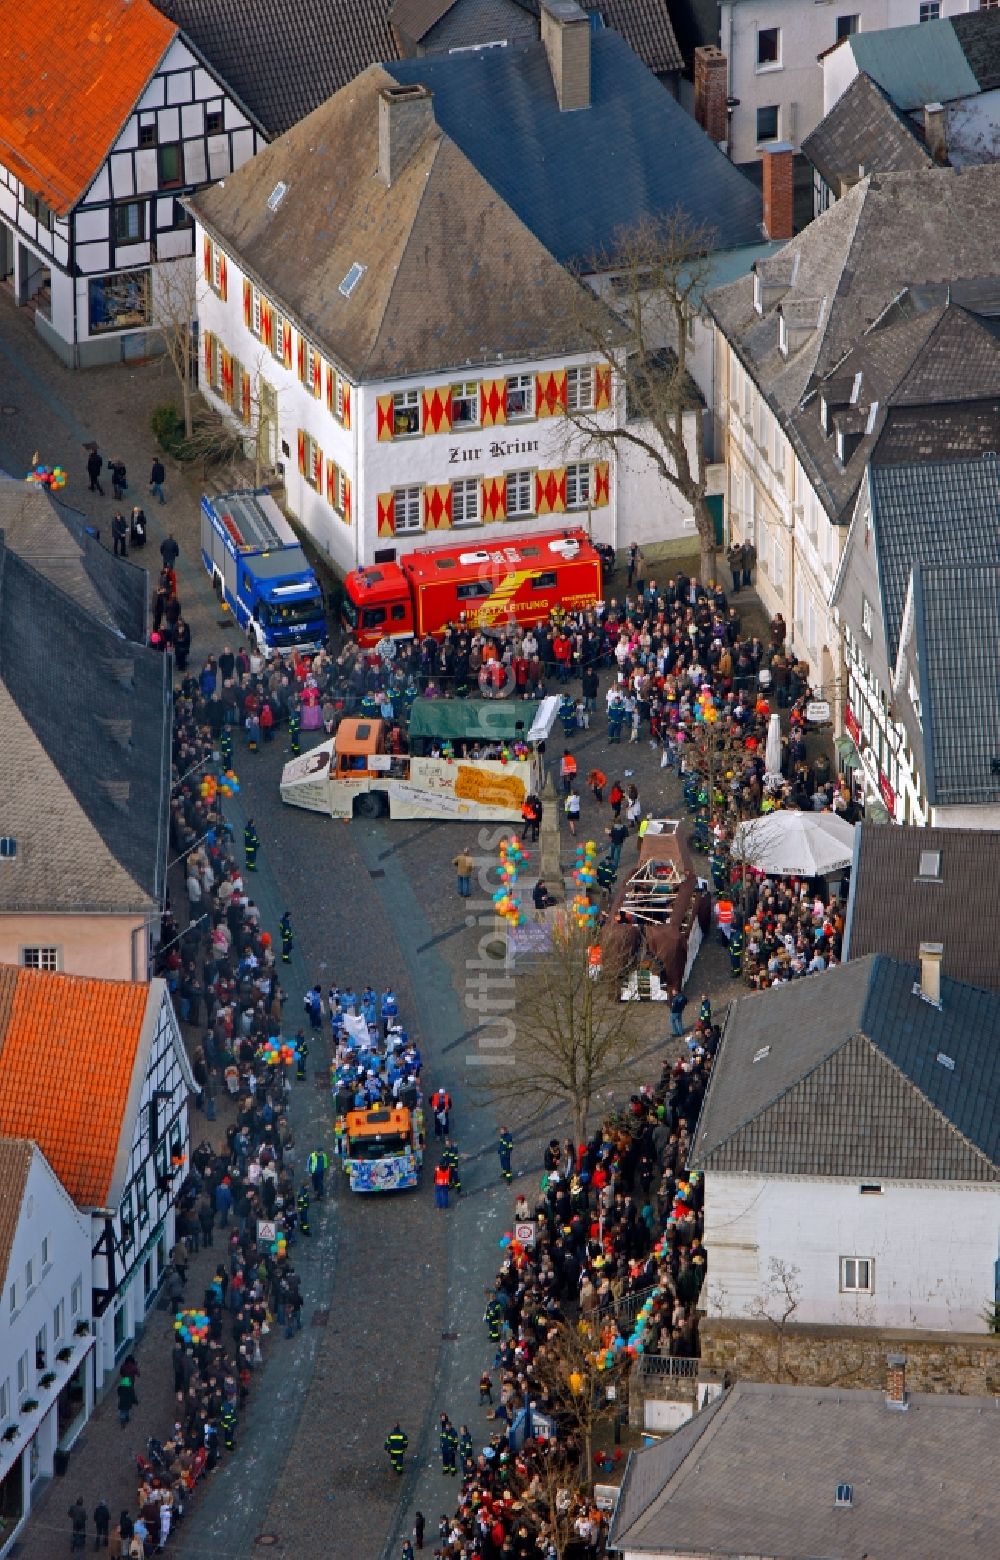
(756, 1473)
(892, 909)
(86, 730)
(15, 1166)
(283, 61)
(72, 74)
(957, 617)
(644, 24)
(847, 1080)
(54, 540)
(891, 234)
(934, 513)
(415, 18)
(978, 33)
(864, 130)
(70, 1050)
(577, 179)
(451, 273)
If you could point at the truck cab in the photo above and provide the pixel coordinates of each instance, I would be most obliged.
(284, 604)
(377, 603)
(382, 1149)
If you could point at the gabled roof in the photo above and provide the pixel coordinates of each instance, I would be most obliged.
(892, 234)
(451, 274)
(841, 1075)
(72, 73)
(644, 24)
(893, 908)
(756, 1473)
(978, 33)
(863, 133)
(73, 1056)
(957, 616)
(577, 179)
(15, 1166)
(415, 18)
(85, 717)
(54, 539)
(923, 63)
(283, 61)
(933, 513)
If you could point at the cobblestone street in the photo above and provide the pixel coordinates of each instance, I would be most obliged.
(393, 1288)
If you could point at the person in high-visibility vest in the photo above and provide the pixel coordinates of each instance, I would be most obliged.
(505, 1148)
(317, 1164)
(567, 770)
(287, 938)
(396, 1443)
(442, 1181)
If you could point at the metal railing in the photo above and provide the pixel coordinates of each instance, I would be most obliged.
(669, 1365)
(627, 1308)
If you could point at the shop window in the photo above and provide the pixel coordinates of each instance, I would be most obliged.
(578, 485)
(405, 416)
(465, 405)
(519, 495)
(520, 396)
(580, 389)
(406, 509)
(169, 165)
(130, 222)
(118, 302)
(465, 502)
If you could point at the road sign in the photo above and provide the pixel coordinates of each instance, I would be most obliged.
(524, 1234)
(267, 1231)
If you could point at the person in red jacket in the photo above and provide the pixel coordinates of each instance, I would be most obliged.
(267, 721)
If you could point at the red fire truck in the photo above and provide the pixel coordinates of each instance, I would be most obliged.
(521, 579)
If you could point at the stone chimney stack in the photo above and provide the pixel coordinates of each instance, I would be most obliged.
(779, 192)
(895, 1386)
(405, 114)
(931, 955)
(936, 131)
(566, 36)
(711, 89)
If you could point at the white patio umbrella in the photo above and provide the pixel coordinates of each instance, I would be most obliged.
(804, 844)
(772, 749)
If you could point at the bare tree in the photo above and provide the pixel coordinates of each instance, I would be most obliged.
(573, 1037)
(567, 1368)
(657, 269)
(177, 296)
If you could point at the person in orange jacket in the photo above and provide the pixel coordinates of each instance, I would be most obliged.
(442, 1181)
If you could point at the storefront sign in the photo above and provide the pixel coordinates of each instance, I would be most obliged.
(457, 456)
(818, 710)
(851, 722)
(887, 794)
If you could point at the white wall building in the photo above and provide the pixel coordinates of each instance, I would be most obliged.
(849, 1142)
(46, 1378)
(773, 49)
(102, 1086)
(93, 235)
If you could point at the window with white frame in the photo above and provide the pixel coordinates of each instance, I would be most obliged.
(46, 1251)
(930, 10)
(338, 399)
(23, 1376)
(256, 313)
(465, 502)
(847, 26)
(580, 389)
(130, 223)
(12, 1298)
(519, 496)
(465, 404)
(76, 1297)
(4, 1400)
(768, 123)
(406, 508)
(778, 461)
(40, 958)
(41, 1347)
(520, 396)
(857, 1275)
(311, 366)
(578, 485)
(405, 414)
(313, 458)
(29, 1275)
(768, 48)
(58, 1321)
(217, 263)
(778, 569)
(280, 328)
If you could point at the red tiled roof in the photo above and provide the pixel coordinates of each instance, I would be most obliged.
(68, 1049)
(15, 1163)
(70, 74)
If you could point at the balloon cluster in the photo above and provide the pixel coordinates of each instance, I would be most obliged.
(214, 786)
(705, 709)
(505, 902)
(520, 749)
(279, 1247)
(277, 1052)
(192, 1326)
(585, 876)
(50, 477)
(634, 1345)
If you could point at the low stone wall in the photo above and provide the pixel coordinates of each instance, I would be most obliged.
(964, 1363)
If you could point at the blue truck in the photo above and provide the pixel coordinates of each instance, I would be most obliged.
(261, 572)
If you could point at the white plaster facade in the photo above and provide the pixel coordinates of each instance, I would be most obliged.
(931, 1249)
(132, 1237)
(784, 73)
(771, 502)
(92, 273)
(323, 435)
(45, 1300)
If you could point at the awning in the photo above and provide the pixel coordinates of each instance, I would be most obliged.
(847, 754)
(477, 720)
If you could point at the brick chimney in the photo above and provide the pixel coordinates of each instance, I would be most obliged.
(779, 190)
(711, 89)
(936, 131)
(895, 1384)
(566, 36)
(405, 114)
